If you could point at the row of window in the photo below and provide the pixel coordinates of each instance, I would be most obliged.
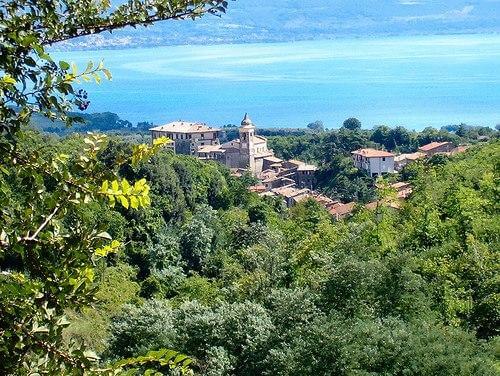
(182, 136)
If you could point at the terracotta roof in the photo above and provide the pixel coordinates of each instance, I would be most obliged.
(340, 210)
(184, 127)
(459, 149)
(260, 139)
(327, 202)
(432, 146)
(409, 156)
(257, 188)
(400, 185)
(372, 153)
(210, 149)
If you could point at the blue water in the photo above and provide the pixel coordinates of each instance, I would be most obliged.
(411, 81)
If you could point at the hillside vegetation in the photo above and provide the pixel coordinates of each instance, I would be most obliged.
(245, 286)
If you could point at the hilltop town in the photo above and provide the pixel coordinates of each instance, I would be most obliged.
(293, 180)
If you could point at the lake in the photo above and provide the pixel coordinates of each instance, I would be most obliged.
(411, 81)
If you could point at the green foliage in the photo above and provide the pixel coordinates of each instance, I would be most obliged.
(49, 248)
(352, 124)
(89, 325)
(253, 288)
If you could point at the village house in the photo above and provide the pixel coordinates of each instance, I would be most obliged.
(402, 160)
(375, 162)
(436, 148)
(187, 137)
(292, 195)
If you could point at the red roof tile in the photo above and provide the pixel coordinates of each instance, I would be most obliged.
(432, 146)
(372, 153)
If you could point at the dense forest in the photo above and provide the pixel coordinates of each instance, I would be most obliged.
(246, 286)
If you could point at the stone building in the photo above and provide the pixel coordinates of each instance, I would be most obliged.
(187, 137)
(246, 152)
(436, 148)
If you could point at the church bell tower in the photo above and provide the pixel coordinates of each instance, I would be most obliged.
(247, 140)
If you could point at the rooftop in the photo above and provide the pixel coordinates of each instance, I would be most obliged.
(295, 162)
(409, 156)
(400, 185)
(307, 167)
(372, 153)
(211, 149)
(273, 159)
(289, 192)
(184, 127)
(341, 210)
(433, 145)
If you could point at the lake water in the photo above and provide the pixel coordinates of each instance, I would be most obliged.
(411, 81)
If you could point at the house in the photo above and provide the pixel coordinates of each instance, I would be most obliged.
(403, 159)
(435, 148)
(292, 195)
(306, 175)
(375, 162)
(340, 211)
(187, 137)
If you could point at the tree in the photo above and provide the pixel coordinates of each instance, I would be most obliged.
(47, 265)
(316, 126)
(352, 124)
(381, 134)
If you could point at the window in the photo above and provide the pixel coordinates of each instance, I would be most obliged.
(202, 135)
(383, 159)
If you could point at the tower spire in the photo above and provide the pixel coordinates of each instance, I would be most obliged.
(247, 122)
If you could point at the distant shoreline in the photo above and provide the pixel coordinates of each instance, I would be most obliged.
(117, 47)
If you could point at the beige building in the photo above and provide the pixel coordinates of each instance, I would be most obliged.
(403, 159)
(436, 148)
(187, 137)
(246, 152)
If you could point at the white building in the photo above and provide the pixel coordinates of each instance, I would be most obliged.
(375, 162)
